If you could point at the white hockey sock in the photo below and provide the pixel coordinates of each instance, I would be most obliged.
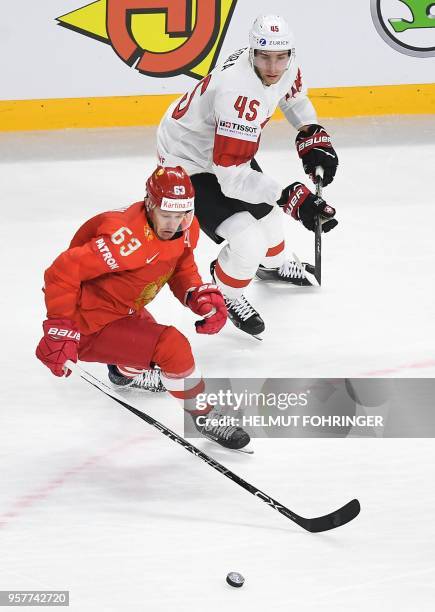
(185, 388)
(272, 226)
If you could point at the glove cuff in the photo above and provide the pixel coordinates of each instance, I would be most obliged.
(309, 130)
(187, 295)
(200, 292)
(297, 193)
(283, 200)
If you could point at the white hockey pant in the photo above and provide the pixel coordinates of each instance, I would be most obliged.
(248, 241)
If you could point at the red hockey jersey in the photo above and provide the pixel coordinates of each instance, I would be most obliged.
(115, 265)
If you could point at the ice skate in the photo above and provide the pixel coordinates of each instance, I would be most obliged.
(289, 272)
(241, 313)
(215, 426)
(147, 380)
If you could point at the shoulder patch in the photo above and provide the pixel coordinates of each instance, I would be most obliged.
(239, 130)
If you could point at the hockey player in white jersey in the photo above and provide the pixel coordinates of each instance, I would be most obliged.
(214, 131)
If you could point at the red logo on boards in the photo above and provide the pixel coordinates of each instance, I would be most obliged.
(158, 37)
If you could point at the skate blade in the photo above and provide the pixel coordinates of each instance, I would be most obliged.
(128, 389)
(256, 336)
(245, 451)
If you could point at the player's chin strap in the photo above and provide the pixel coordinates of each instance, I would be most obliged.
(321, 523)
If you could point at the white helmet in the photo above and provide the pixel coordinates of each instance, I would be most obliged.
(271, 33)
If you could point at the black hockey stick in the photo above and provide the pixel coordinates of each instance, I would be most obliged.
(318, 230)
(320, 523)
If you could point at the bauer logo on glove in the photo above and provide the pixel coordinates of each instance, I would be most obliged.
(298, 201)
(60, 342)
(64, 333)
(310, 143)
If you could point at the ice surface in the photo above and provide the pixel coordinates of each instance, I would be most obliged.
(95, 501)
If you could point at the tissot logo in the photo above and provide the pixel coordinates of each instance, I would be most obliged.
(158, 37)
(408, 26)
(238, 126)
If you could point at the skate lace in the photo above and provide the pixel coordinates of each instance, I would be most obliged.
(291, 269)
(149, 379)
(242, 307)
(222, 431)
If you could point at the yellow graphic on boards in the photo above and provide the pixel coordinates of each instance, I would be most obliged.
(158, 37)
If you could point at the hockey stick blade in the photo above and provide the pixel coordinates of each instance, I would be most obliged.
(335, 519)
(313, 525)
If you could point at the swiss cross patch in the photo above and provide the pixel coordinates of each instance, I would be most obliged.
(296, 87)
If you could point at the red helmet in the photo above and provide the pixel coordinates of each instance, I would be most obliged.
(170, 189)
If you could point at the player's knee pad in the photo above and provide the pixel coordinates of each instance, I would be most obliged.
(272, 226)
(173, 353)
(239, 259)
(245, 236)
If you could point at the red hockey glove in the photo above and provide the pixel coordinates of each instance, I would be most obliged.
(208, 302)
(60, 342)
(298, 201)
(315, 149)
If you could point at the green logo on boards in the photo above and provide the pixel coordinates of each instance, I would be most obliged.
(421, 18)
(408, 26)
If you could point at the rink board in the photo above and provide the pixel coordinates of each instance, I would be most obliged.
(124, 111)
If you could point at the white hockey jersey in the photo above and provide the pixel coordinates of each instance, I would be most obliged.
(216, 126)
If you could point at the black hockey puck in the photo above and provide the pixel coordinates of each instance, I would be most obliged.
(235, 579)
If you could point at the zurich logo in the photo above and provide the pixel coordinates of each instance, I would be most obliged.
(262, 42)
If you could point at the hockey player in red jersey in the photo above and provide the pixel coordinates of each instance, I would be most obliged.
(97, 290)
(214, 132)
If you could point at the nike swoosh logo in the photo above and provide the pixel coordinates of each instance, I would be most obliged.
(150, 259)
